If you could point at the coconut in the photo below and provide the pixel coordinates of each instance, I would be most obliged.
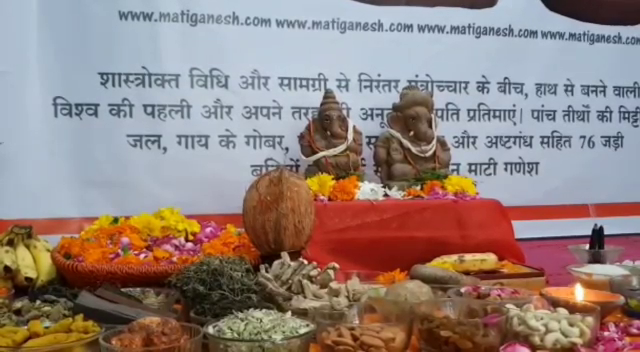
(278, 212)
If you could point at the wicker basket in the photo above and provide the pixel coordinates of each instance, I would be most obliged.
(82, 275)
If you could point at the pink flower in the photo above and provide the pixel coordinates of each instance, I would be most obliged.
(515, 347)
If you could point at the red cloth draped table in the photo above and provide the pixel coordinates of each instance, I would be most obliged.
(396, 234)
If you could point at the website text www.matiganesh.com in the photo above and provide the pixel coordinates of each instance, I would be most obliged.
(338, 25)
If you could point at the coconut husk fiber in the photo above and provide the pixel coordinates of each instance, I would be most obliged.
(279, 212)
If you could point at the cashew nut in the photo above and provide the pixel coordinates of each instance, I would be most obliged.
(584, 331)
(532, 324)
(535, 340)
(550, 329)
(541, 317)
(516, 326)
(576, 341)
(553, 326)
(588, 322)
(554, 340)
(574, 319)
(567, 330)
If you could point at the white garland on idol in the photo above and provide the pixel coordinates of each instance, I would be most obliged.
(423, 151)
(334, 151)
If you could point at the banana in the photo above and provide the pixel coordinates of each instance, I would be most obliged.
(41, 251)
(8, 261)
(27, 274)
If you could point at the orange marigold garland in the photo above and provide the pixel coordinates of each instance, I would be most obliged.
(122, 242)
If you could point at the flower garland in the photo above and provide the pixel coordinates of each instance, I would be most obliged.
(166, 237)
(326, 188)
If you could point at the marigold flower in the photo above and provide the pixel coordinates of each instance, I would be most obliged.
(460, 185)
(321, 185)
(392, 277)
(432, 186)
(345, 190)
(414, 193)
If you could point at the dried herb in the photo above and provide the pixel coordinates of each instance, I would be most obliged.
(260, 325)
(219, 286)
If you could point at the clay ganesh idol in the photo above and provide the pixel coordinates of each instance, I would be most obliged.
(330, 142)
(411, 146)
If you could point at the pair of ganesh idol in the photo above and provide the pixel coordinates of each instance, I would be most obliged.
(409, 148)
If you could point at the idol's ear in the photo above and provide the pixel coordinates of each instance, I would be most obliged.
(396, 122)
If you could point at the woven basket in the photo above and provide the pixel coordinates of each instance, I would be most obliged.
(82, 275)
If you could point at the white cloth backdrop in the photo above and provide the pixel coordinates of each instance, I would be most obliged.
(90, 54)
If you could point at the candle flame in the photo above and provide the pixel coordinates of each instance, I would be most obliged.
(579, 293)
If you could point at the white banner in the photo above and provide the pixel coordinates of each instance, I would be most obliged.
(127, 106)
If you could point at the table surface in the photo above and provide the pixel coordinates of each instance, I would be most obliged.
(396, 234)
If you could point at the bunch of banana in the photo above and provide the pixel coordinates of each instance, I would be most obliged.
(25, 258)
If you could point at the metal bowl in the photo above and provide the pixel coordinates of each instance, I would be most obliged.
(610, 255)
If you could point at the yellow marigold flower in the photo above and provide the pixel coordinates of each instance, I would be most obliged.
(321, 185)
(455, 184)
(149, 225)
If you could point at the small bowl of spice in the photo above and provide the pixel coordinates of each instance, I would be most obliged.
(260, 330)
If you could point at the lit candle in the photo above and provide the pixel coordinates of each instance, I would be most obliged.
(578, 293)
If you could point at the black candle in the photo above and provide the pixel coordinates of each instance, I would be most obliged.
(601, 238)
(593, 240)
(595, 254)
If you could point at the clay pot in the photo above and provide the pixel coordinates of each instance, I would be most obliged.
(278, 212)
(467, 4)
(606, 12)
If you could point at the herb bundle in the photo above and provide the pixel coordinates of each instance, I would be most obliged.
(218, 286)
